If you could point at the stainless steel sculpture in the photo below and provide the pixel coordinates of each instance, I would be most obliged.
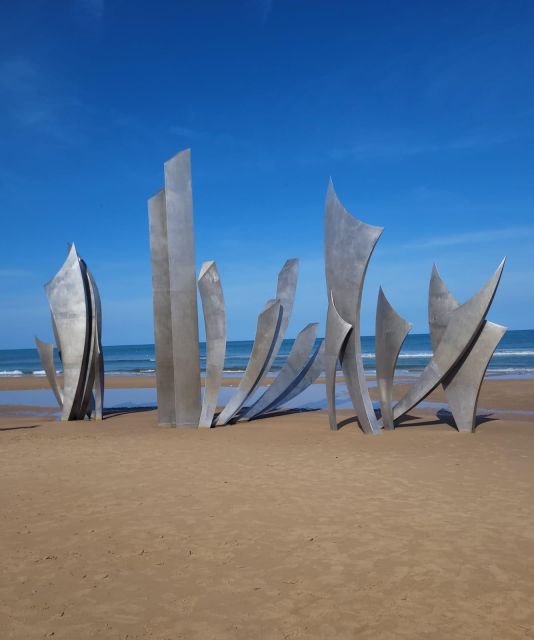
(463, 383)
(77, 322)
(267, 331)
(211, 294)
(289, 375)
(390, 332)
(463, 327)
(98, 352)
(46, 356)
(161, 295)
(285, 292)
(175, 295)
(285, 295)
(337, 334)
(309, 374)
(176, 316)
(349, 243)
(183, 289)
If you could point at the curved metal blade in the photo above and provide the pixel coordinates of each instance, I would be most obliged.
(68, 303)
(464, 324)
(391, 331)
(46, 356)
(349, 243)
(337, 332)
(213, 309)
(463, 383)
(267, 331)
(289, 374)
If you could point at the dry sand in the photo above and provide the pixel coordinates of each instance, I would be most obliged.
(272, 529)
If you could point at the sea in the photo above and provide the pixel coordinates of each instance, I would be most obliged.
(513, 357)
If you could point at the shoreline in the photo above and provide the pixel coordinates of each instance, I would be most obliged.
(496, 393)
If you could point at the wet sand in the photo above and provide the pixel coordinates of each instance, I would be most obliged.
(496, 393)
(272, 529)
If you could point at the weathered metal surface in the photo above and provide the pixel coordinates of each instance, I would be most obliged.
(465, 323)
(46, 356)
(67, 300)
(390, 332)
(309, 374)
(98, 353)
(441, 304)
(159, 256)
(285, 292)
(77, 324)
(87, 403)
(183, 289)
(336, 340)
(462, 388)
(349, 243)
(289, 375)
(463, 383)
(267, 330)
(211, 294)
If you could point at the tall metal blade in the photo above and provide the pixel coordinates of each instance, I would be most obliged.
(465, 323)
(211, 294)
(68, 304)
(46, 356)
(183, 289)
(163, 343)
(289, 375)
(349, 243)
(337, 335)
(391, 331)
(267, 331)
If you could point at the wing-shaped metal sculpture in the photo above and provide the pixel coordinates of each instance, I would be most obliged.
(349, 243)
(77, 323)
(391, 331)
(463, 383)
(183, 289)
(46, 355)
(211, 294)
(267, 331)
(285, 292)
(337, 335)
(289, 374)
(66, 296)
(309, 374)
(89, 369)
(463, 386)
(464, 324)
(159, 257)
(98, 353)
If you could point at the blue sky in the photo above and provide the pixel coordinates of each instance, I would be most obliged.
(422, 113)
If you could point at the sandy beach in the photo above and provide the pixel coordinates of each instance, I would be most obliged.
(276, 528)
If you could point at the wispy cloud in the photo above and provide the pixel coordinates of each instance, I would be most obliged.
(394, 145)
(472, 237)
(35, 101)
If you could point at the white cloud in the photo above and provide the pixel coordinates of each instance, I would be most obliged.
(471, 237)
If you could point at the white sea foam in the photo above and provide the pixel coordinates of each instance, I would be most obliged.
(428, 354)
(14, 372)
(515, 352)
